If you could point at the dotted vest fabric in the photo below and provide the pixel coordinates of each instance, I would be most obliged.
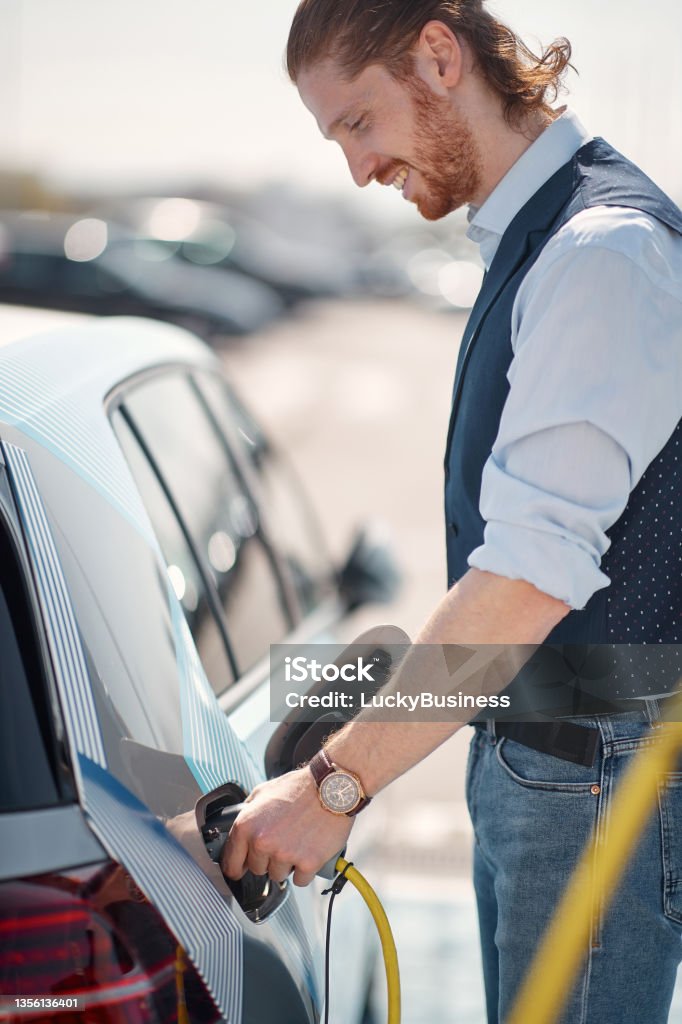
(643, 604)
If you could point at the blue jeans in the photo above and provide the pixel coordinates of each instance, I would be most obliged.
(532, 815)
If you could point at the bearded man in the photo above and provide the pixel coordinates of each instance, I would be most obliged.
(562, 479)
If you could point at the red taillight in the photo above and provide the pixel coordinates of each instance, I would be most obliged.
(91, 936)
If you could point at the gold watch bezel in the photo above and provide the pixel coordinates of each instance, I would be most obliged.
(351, 775)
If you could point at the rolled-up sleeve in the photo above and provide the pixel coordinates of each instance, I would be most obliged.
(595, 394)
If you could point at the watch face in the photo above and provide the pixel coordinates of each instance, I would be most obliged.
(340, 792)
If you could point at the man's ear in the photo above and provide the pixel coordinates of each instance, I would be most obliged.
(439, 57)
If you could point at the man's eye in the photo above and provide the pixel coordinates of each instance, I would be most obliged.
(357, 126)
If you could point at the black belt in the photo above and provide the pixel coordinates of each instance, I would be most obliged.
(570, 742)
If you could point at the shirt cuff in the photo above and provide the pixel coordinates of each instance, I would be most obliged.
(554, 565)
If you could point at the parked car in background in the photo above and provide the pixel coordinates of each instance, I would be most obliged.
(92, 265)
(153, 545)
(208, 234)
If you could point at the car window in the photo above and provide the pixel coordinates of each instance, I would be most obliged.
(26, 776)
(28, 270)
(219, 515)
(50, 271)
(183, 572)
(288, 518)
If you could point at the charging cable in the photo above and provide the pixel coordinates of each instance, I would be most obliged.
(254, 891)
(348, 873)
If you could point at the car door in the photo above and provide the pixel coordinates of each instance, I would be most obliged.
(136, 783)
(232, 586)
(194, 431)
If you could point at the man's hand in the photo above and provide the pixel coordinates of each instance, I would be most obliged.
(284, 828)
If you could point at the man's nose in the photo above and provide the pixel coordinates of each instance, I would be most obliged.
(363, 165)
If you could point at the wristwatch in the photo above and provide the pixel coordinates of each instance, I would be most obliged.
(339, 790)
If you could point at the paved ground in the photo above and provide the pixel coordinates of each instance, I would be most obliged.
(359, 393)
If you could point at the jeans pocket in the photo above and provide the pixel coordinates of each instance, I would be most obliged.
(670, 806)
(535, 770)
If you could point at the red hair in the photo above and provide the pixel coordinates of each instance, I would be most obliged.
(357, 33)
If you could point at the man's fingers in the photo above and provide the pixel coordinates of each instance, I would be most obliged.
(257, 859)
(236, 850)
(279, 870)
(244, 851)
(302, 878)
(303, 874)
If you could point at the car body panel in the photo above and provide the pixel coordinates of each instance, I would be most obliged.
(206, 926)
(67, 474)
(67, 841)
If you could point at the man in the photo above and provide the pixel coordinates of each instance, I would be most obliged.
(562, 485)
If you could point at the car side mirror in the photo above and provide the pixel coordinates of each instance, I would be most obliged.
(370, 573)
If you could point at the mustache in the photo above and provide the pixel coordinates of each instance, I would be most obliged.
(387, 174)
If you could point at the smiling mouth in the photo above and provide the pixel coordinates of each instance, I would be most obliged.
(400, 178)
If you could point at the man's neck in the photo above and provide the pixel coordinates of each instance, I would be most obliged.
(501, 146)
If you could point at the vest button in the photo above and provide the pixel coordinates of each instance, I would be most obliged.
(454, 529)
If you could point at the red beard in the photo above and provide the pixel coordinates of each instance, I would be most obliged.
(449, 161)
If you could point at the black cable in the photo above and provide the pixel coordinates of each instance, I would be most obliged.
(335, 888)
(326, 958)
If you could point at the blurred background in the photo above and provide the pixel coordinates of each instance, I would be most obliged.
(155, 160)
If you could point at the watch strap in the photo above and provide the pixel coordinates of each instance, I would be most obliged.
(321, 766)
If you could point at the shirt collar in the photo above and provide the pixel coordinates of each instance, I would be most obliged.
(551, 150)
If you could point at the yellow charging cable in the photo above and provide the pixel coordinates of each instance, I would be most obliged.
(180, 968)
(368, 894)
(552, 973)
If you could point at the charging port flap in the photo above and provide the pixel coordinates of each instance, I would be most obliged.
(297, 738)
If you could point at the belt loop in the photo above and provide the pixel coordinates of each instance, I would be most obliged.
(490, 726)
(652, 711)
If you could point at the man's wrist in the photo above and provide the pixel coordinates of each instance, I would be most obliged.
(340, 790)
(345, 751)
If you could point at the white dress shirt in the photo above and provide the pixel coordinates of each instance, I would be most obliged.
(596, 378)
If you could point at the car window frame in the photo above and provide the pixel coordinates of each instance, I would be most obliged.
(287, 592)
(250, 472)
(50, 715)
(114, 402)
(199, 563)
(318, 621)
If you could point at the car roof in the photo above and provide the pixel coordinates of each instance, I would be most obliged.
(79, 353)
(18, 322)
(53, 385)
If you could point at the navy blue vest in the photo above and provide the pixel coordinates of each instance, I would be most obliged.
(643, 604)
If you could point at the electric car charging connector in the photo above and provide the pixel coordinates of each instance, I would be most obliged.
(259, 897)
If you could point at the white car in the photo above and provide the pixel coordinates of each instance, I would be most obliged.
(152, 547)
